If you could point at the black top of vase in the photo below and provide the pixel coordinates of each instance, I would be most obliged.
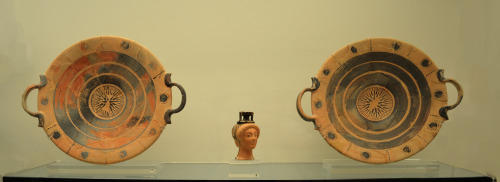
(246, 117)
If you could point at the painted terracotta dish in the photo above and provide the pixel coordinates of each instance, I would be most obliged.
(379, 100)
(104, 100)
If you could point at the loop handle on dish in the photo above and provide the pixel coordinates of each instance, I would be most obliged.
(443, 111)
(169, 112)
(43, 82)
(315, 85)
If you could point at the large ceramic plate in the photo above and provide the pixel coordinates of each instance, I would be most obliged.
(104, 100)
(379, 100)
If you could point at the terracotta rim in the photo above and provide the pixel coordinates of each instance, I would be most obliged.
(377, 100)
(105, 100)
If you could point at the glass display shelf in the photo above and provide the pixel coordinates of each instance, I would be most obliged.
(406, 170)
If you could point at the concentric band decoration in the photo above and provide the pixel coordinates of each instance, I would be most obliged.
(104, 100)
(379, 100)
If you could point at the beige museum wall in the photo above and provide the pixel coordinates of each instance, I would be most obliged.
(255, 56)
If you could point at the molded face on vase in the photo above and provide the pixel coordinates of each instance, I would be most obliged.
(249, 137)
(245, 134)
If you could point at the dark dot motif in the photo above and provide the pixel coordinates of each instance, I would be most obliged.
(407, 149)
(56, 135)
(326, 72)
(331, 135)
(365, 155)
(396, 46)
(163, 98)
(425, 63)
(125, 45)
(152, 131)
(84, 155)
(123, 154)
(318, 104)
(354, 50)
(438, 94)
(45, 101)
(433, 125)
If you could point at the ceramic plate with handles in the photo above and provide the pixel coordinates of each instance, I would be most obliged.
(104, 100)
(379, 100)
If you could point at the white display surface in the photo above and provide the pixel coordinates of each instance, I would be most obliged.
(234, 56)
(244, 170)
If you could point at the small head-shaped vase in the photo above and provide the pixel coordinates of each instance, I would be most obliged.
(245, 134)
